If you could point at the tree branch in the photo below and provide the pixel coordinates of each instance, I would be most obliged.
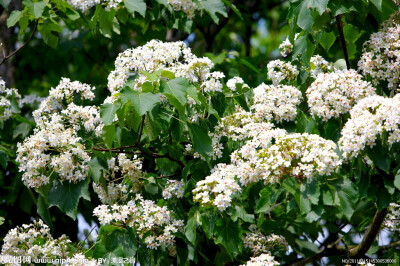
(6, 57)
(389, 246)
(343, 40)
(357, 251)
(369, 236)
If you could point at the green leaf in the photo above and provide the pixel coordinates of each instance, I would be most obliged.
(151, 188)
(319, 5)
(3, 159)
(190, 228)
(108, 111)
(108, 135)
(1, 220)
(383, 199)
(14, 17)
(303, 200)
(378, 154)
(397, 180)
(201, 141)
(144, 102)
(114, 242)
(5, 3)
(240, 212)
(343, 6)
(327, 198)
(351, 34)
(197, 96)
(229, 234)
(304, 48)
(35, 8)
(305, 19)
(43, 211)
(47, 31)
(97, 168)
(233, 7)
(327, 40)
(66, 196)
(312, 190)
(306, 248)
(305, 123)
(378, 4)
(106, 20)
(176, 88)
(347, 195)
(213, 7)
(269, 196)
(208, 220)
(136, 6)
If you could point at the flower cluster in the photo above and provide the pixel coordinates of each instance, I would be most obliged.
(233, 82)
(218, 188)
(187, 6)
(34, 240)
(265, 259)
(333, 94)
(173, 189)
(259, 243)
(381, 55)
(298, 155)
(276, 102)
(319, 65)
(174, 57)
(129, 169)
(286, 47)
(370, 118)
(32, 100)
(392, 220)
(55, 145)
(85, 5)
(6, 96)
(154, 225)
(279, 71)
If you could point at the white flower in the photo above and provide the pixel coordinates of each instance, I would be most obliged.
(369, 119)
(298, 155)
(259, 243)
(333, 94)
(217, 189)
(231, 84)
(280, 71)
(55, 145)
(319, 65)
(381, 54)
(34, 240)
(187, 6)
(286, 47)
(276, 102)
(173, 188)
(153, 224)
(6, 97)
(265, 259)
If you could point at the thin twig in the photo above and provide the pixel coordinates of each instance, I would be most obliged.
(342, 40)
(6, 57)
(86, 237)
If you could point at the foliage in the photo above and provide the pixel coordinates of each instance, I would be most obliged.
(193, 149)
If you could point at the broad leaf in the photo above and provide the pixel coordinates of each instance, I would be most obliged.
(66, 195)
(201, 141)
(97, 168)
(108, 111)
(143, 102)
(136, 6)
(213, 7)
